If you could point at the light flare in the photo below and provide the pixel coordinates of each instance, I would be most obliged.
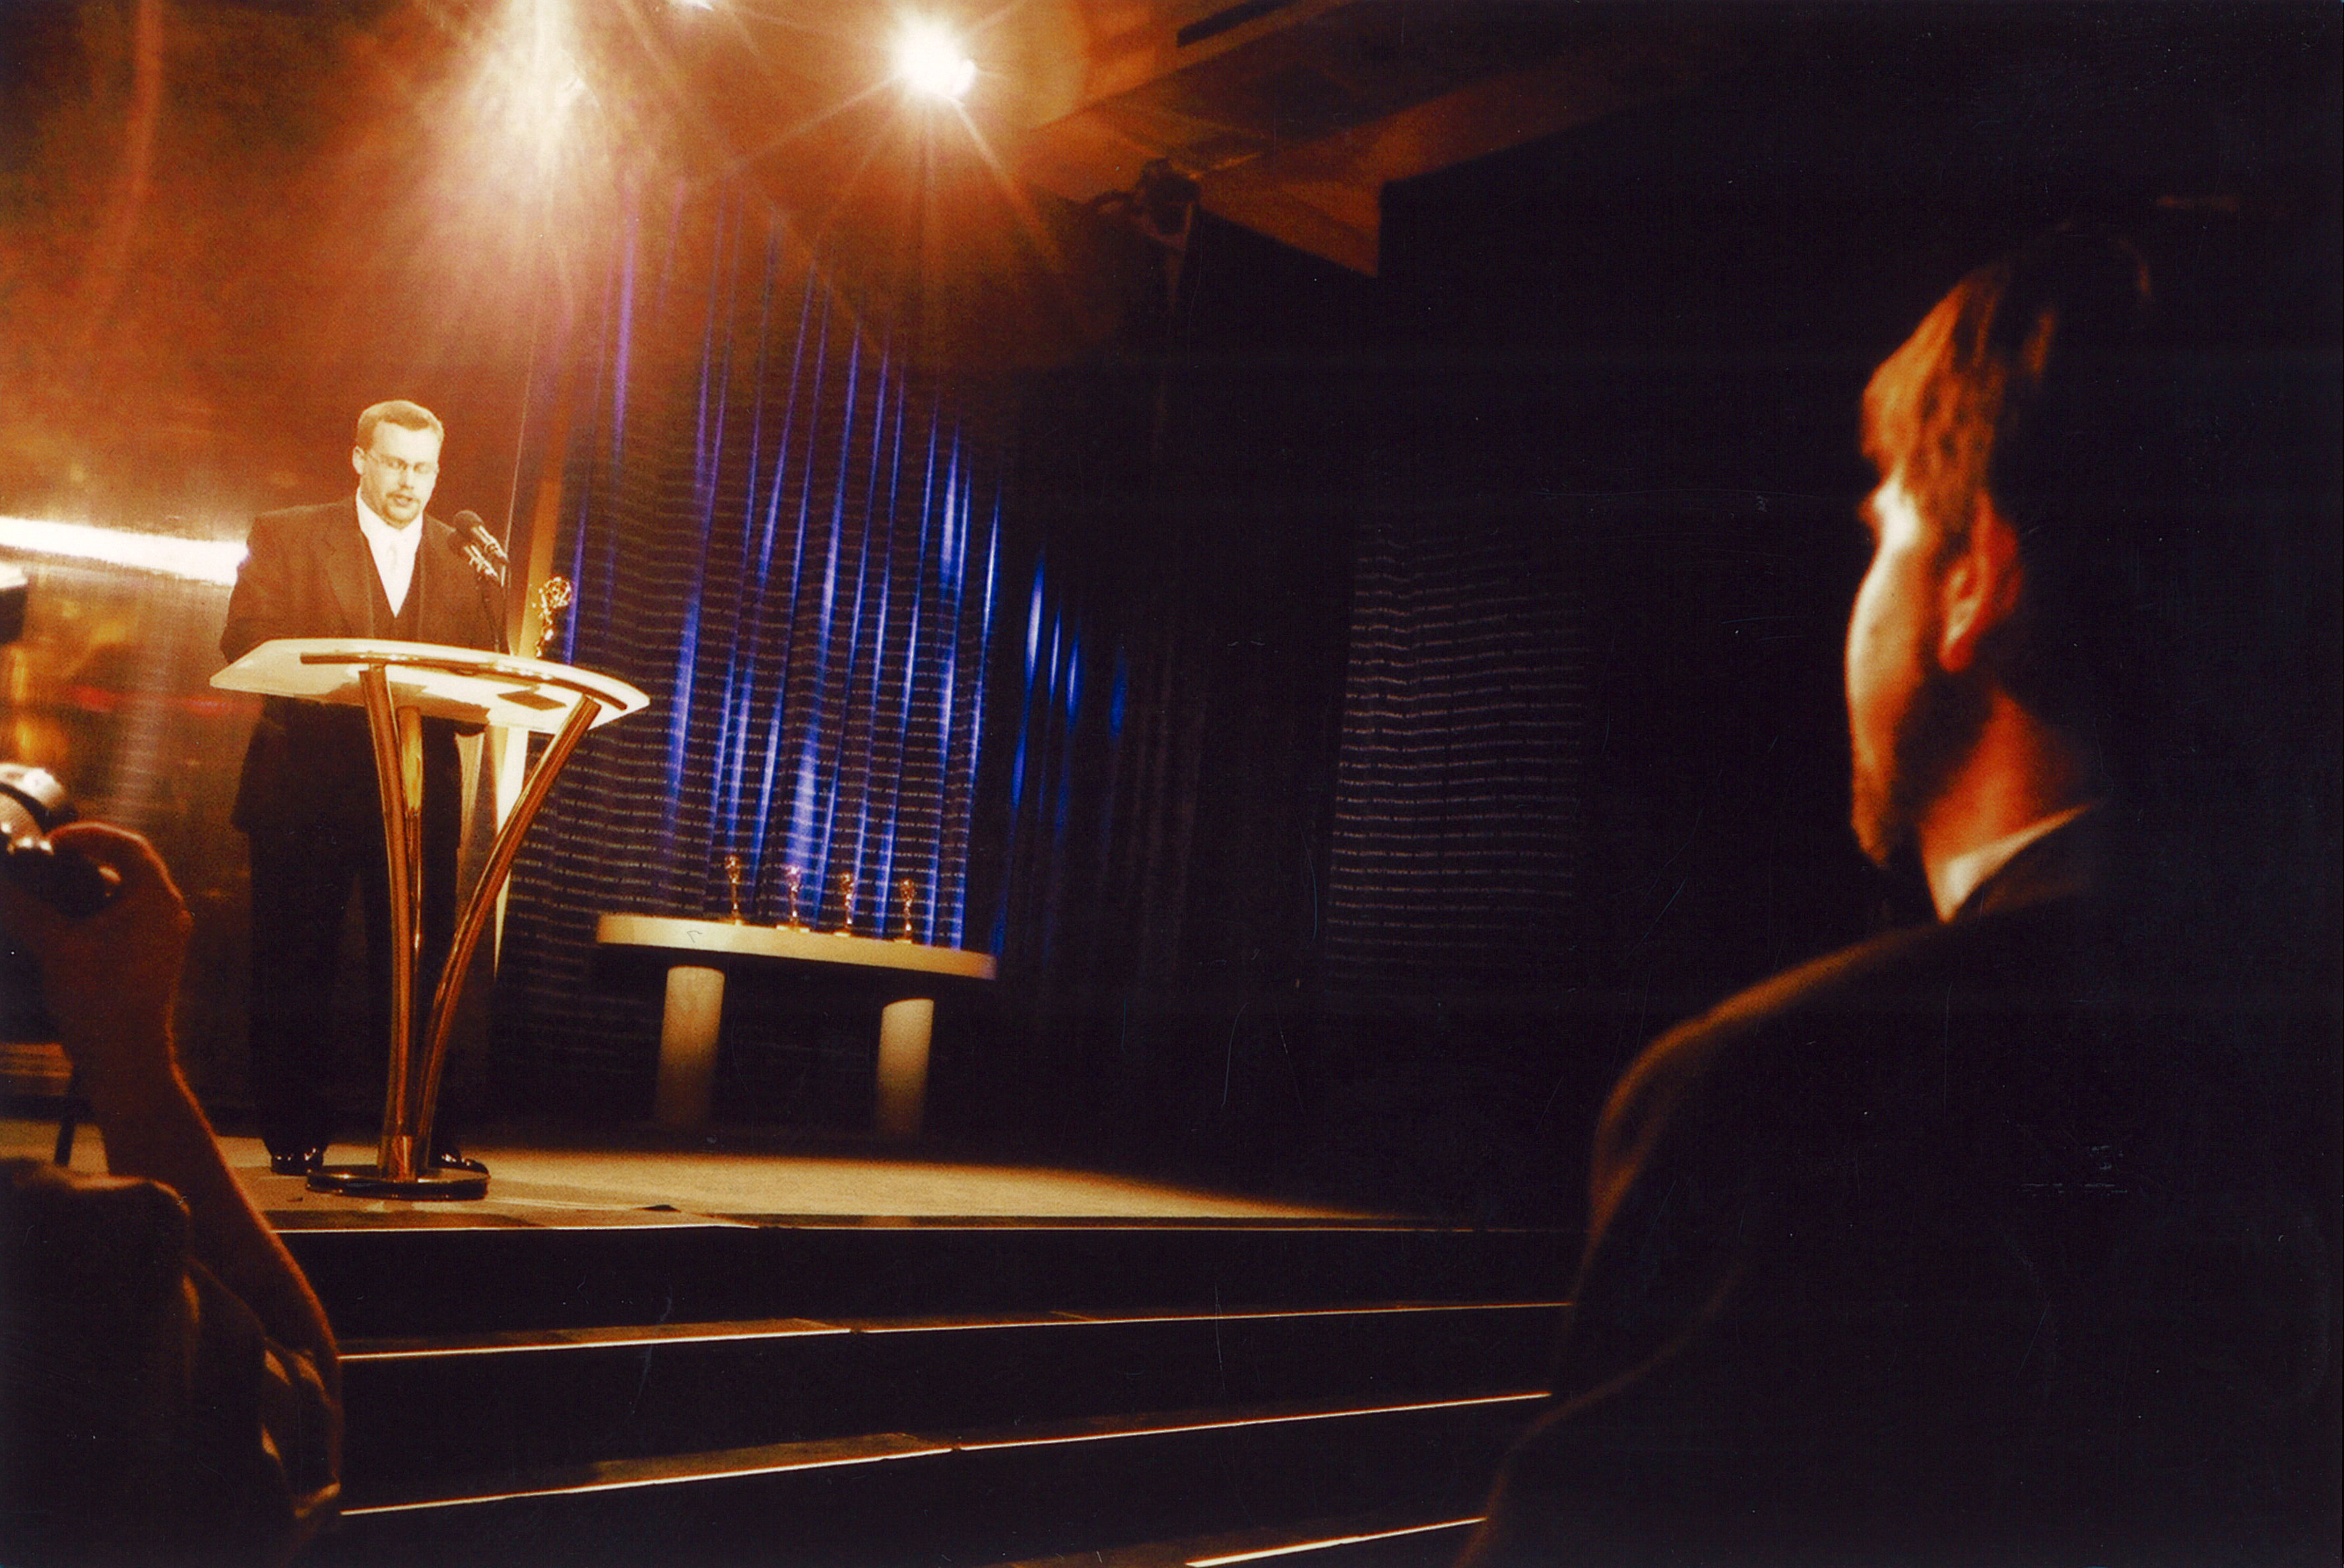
(196, 560)
(930, 61)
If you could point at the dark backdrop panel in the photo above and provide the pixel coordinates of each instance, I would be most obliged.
(1178, 549)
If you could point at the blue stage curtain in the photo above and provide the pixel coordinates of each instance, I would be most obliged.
(788, 535)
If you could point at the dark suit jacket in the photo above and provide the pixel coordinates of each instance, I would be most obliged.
(1953, 1246)
(307, 572)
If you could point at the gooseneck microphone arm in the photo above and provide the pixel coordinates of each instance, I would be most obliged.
(484, 550)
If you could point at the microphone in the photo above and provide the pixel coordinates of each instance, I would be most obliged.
(481, 548)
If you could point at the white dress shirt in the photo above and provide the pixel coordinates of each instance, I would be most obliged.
(394, 552)
(1961, 876)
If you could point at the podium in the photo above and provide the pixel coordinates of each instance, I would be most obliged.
(400, 684)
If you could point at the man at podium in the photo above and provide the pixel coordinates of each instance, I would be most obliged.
(371, 565)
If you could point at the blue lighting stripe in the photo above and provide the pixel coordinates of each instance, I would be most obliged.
(1053, 665)
(857, 734)
(1025, 695)
(996, 936)
(783, 464)
(808, 578)
(752, 547)
(1034, 628)
(623, 348)
(929, 680)
(835, 707)
(708, 425)
(890, 700)
(614, 455)
(740, 679)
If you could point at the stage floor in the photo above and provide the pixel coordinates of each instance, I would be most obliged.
(643, 1179)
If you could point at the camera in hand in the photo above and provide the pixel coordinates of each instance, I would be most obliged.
(32, 804)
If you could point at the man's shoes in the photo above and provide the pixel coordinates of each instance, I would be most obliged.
(449, 1159)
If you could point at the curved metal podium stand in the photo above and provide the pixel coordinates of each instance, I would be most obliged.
(400, 684)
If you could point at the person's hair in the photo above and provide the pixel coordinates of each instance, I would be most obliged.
(2031, 384)
(400, 412)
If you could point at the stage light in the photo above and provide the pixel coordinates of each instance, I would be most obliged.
(929, 60)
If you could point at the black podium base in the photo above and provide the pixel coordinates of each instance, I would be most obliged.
(428, 1185)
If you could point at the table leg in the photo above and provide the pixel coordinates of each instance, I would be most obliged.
(903, 1030)
(687, 1053)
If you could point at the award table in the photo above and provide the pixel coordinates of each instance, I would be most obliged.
(907, 973)
(400, 684)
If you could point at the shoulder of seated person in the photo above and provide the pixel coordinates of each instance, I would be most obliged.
(2008, 954)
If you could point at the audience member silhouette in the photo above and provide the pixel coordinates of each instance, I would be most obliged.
(172, 1392)
(1973, 1243)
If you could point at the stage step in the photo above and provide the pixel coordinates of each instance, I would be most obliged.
(898, 1499)
(842, 1394)
(638, 1392)
(1387, 1538)
(432, 1278)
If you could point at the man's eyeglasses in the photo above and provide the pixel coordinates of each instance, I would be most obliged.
(399, 468)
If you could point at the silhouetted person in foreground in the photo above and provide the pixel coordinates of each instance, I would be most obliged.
(171, 1389)
(1969, 1244)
